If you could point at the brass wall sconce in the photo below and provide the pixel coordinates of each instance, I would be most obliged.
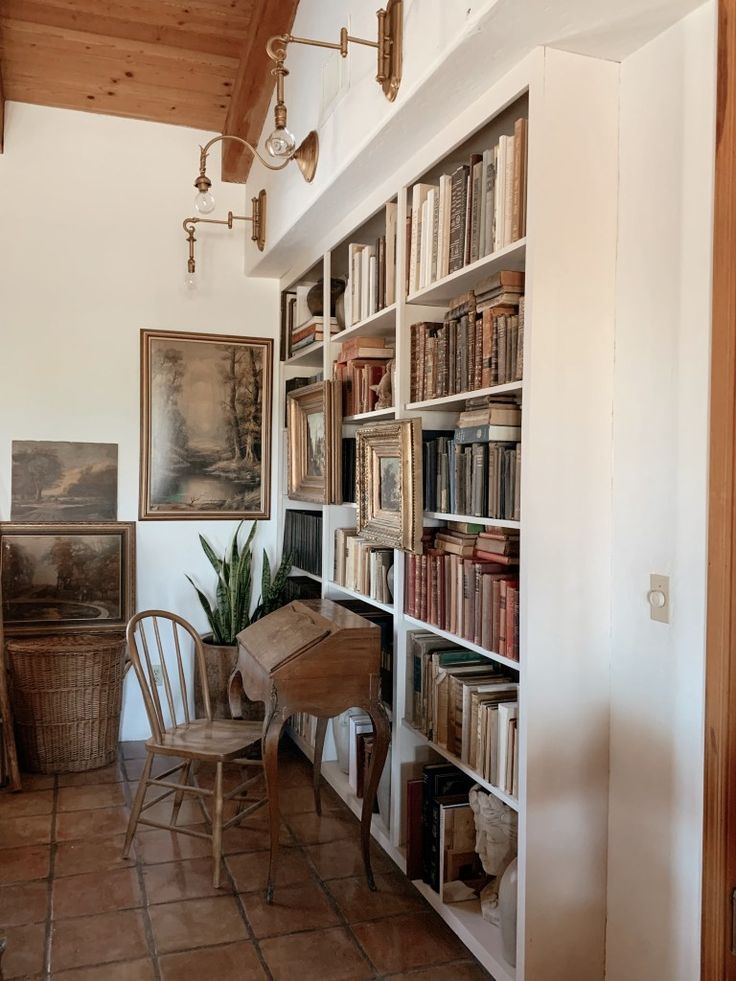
(257, 218)
(305, 156)
(281, 143)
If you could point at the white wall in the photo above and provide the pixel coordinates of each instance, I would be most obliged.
(660, 496)
(91, 251)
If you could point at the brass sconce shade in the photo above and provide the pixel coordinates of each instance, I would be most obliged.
(389, 47)
(257, 218)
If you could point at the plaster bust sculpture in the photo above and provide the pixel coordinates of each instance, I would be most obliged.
(495, 841)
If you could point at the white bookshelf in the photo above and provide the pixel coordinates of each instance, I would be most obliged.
(565, 498)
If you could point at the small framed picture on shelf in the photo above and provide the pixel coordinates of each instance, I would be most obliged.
(389, 483)
(71, 576)
(315, 473)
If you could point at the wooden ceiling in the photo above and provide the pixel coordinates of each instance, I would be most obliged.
(199, 63)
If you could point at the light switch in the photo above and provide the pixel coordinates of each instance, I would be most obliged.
(659, 598)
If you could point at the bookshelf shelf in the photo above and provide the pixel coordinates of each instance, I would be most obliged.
(309, 356)
(450, 757)
(462, 642)
(386, 607)
(295, 571)
(461, 397)
(471, 519)
(511, 257)
(380, 324)
(291, 504)
(369, 416)
(480, 936)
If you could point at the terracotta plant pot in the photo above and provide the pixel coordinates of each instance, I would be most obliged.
(220, 660)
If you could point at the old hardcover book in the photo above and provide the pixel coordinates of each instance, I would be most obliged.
(520, 154)
(458, 207)
(419, 194)
(508, 206)
(390, 261)
(475, 207)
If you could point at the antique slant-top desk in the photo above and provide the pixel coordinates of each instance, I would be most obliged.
(317, 657)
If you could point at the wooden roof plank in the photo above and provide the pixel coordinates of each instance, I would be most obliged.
(253, 87)
(155, 22)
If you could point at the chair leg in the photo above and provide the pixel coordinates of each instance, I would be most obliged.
(137, 804)
(217, 828)
(179, 796)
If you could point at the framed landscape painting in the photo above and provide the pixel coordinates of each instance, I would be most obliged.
(205, 426)
(67, 577)
(313, 428)
(63, 481)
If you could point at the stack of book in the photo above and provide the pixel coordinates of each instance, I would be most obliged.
(475, 470)
(477, 209)
(309, 332)
(303, 539)
(441, 834)
(479, 343)
(465, 704)
(372, 273)
(360, 366)
(362, 566)
(456, 587)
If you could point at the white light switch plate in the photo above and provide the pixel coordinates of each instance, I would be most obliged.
(659, 598)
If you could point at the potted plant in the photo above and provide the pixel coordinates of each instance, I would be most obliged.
(230, 613)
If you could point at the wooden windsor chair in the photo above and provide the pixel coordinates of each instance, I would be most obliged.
(214, 741)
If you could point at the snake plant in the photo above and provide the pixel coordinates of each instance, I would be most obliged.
(230, 612)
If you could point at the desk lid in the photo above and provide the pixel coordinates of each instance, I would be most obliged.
(292, 630)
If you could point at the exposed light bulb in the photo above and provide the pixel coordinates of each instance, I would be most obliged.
(281, 143)
(204, 202)
(190, 279)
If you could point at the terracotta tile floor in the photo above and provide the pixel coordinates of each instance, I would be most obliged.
(73, 909)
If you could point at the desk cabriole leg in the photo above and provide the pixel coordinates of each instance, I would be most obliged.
(381, 740)
(319, 745)
(272, 733)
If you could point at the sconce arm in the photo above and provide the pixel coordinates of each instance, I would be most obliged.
(204, 150)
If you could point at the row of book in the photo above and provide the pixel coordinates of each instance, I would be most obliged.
(385, 622)
(363, 566)
(441, 834)
(481, 479)
(372, 273)
(467, 705)
(477, 209)
(360, 366)
(479, 343)
(303, 539)
(462, 584)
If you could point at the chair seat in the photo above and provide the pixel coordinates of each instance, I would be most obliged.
(219, 740)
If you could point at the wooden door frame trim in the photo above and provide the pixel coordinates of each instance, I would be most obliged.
(717, 964)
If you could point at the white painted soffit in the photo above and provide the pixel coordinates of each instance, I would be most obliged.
(495, 38)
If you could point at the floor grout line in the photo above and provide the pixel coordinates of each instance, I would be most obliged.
(51, 876)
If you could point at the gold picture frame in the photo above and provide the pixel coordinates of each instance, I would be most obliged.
(315, 444)
(389, 483)
(68, 576)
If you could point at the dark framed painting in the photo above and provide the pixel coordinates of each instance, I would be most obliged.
(67, 576)
(64, 481)
(314, 424)
(205, 426)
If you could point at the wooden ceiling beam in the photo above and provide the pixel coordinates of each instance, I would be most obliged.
(211, 29)
(253, 87)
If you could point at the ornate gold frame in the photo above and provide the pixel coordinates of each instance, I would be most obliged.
(320, 397)
(401, 439)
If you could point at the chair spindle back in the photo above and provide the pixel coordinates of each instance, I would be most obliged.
(146, 633)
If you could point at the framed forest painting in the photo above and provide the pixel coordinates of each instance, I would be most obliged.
(205, 426)
(67, 576)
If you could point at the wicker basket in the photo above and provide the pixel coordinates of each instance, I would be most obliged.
(66, 693)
